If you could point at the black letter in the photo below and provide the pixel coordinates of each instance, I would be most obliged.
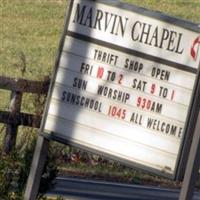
(133, 29)
(63, 95)
(99, 17)
(79, 14)
(179, 40)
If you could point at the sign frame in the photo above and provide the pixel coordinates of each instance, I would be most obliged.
(194, 104)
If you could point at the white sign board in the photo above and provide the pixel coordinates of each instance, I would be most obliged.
(124, 85)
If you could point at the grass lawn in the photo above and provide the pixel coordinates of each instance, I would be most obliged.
(30, 31)
(185, 9)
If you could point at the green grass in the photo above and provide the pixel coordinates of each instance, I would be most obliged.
(30, 31)
(185, 9)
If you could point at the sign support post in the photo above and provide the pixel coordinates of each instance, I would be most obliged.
(192, 166)
(40, 154)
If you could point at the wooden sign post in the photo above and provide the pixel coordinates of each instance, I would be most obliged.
(126, 86)
(37, 167)
(193, 165)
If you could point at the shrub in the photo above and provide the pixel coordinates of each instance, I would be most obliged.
(14, 171)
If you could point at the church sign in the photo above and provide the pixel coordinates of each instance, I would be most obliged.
(125, 85)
